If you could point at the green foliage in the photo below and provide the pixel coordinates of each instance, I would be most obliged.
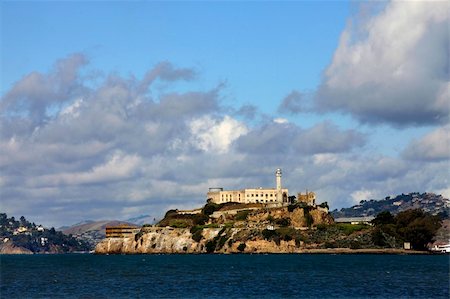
(178, 224)
(413, 226)
(329, 244)
(219, 241)
(324, 205)
(270, 218)
(283, 222)
(349, 229)
(197, 236)
(268, 234)
(322, 226)
(241, 215)
(292, 199)
(241, 247)
(292, 207)
(170, 213)
(147, 225)
(211, 246)
(309, 219)
(384, 217)
(200, 219)
(210, 208)
(31, 239)
(355, 244)
(138, 235)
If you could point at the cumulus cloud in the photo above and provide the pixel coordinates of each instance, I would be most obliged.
(36, 92)
(281, 137)
(216, 135)
(434, 146)
(292, 103)
(393, 67)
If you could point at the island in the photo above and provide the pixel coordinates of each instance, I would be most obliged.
(268, 220)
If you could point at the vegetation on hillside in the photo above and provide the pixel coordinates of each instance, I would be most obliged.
(37, 239)
(414, 226)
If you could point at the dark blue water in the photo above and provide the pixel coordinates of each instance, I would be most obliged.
(224, 276)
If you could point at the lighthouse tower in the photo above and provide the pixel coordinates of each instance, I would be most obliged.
(279, 193)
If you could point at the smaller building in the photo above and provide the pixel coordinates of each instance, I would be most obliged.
(121, 231)
(309, 198)
(407, 245)
(355, 220)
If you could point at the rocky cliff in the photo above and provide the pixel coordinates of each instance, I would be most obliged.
(217, 240)
(280, 230)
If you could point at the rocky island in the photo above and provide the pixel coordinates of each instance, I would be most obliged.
(268, 220)
(251, 228)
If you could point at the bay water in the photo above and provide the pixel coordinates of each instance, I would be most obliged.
(224, 276)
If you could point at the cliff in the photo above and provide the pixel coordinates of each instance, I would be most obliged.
(176, 240)
(278, 230)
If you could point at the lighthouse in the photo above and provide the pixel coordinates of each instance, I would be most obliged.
(278, 180)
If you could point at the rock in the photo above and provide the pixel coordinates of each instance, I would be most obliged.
(8, 248)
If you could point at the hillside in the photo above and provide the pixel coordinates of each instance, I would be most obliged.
(428, 202)
(22, 237)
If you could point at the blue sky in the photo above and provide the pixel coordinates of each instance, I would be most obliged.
(261, 49)
(334, 81)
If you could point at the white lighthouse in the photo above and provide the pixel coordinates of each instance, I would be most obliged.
(278, 179)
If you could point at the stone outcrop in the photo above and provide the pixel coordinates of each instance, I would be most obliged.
(9, 248)
(175, 240)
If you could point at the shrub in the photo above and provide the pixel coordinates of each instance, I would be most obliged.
(322, 227)
(283, 222)
(329, 245)
(292, 207)
(210, 208)
(270, 218)
(324, 205)
(138, 235)
(242, 215)
(309, 219)
(170, 213)
(178, 224)
(197, 236)
(268, 234)
(211, 246)
(200, 219)
(348, 229)
(241, 247)
(355, 244)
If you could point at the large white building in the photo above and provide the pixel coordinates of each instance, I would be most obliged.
(276, 195)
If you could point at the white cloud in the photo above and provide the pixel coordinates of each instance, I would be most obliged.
(363, 194)
(394, 68)
(433, 146)
(212, 135)
(280, 120)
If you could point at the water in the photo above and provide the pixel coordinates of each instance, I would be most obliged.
(224, 276)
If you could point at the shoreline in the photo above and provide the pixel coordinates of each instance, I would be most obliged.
(329, 251)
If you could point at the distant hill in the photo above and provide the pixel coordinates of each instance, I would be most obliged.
(90, 231)
(142, 219)
(21, 236)
(428, 202)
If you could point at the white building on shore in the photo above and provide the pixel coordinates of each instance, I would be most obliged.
(276, 196)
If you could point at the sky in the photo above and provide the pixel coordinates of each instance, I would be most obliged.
(111, 110)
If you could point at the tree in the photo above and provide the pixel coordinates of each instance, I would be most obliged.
(384, 217)
(291, 199)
